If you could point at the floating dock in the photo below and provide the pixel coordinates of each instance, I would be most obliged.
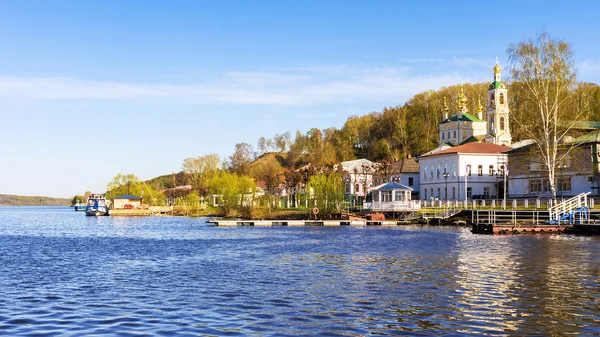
(300, 223)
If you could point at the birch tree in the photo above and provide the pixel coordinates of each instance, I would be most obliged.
(545, 69)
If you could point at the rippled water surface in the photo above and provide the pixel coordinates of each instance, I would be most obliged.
(62, 273)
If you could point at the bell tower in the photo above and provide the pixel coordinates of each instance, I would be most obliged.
(498, 125)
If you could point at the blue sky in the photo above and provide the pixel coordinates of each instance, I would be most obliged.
(89, 89)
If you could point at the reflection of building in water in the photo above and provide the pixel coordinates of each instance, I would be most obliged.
(486, 283)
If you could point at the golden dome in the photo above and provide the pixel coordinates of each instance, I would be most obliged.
(496, 69)
(461, 100)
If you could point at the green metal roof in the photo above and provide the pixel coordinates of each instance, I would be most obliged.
(585, 125)
(473, 139)
(466, 117)
(498, 85)
(590, 137)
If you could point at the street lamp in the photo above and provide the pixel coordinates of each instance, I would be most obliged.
(446, 175)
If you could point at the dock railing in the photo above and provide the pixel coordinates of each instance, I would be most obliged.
(502, 217)
(567, 210)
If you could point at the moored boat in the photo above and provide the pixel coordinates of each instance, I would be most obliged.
(79, 207)
(96, 205)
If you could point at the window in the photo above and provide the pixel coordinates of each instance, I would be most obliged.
(535, 185)
(448, 134)
(454, 169)
(469, 192)
(439, 195)
(438, 171)
(453, 192)
(431, 189)
(410, 181)
(491, 170)
(425, 190)
(454, 133)
(469, 170)
(564, 184)
(443, 135)
(348, 188)
(565, 162)
(535, 165)
(399, 196)
(501, 170)
(446, 193)
(486, 192)
(501, 123)
(501, 98)
(480, 170)
(492, 128)
(386, 196)
(356, 188)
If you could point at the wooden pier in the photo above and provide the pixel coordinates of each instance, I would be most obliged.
(302, 223)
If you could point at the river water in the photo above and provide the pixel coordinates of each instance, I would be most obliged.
(62, 273)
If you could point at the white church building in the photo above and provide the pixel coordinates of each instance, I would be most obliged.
(470, 160)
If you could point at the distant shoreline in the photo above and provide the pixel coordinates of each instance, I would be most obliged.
(19, 200)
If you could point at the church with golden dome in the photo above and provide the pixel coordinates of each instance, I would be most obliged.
(464, 127)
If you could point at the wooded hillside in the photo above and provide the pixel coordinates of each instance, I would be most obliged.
(18, 200)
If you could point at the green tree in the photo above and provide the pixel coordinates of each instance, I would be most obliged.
(77, 199)
(122, 184)
(201, 168)
(192, 199)
(327, 190)
(234, 192)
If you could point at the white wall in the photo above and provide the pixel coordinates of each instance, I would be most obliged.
(518, 186)
(455, 164)
(120, 203)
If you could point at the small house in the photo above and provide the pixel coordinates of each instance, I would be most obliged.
(127, 202)
(393, 197)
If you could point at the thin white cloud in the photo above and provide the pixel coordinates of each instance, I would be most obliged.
(423, 60)
(589, 67)
(293, 87)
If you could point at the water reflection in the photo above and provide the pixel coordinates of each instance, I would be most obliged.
(62, 273)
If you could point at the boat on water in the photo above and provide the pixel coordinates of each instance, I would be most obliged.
(79, 207)
(96, 205)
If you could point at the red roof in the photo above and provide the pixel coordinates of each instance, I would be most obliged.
(486, 148)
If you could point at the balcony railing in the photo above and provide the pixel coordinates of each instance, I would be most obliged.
(394, 206)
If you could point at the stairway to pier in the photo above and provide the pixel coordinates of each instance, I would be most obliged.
(570, 211)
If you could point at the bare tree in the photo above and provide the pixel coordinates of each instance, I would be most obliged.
(544, 67)
(240, 160)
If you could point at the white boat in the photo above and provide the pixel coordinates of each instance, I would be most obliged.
(96, 205)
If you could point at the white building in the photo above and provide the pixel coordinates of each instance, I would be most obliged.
(127, 202)
(464, 171)
(358, 177)
(470, 167)
(393, 197)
